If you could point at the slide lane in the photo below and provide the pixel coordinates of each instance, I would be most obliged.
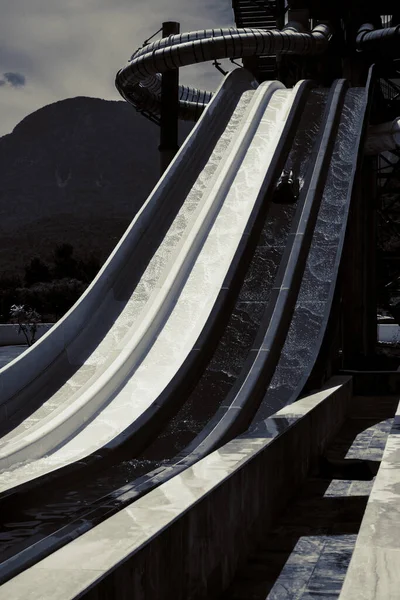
(245, 395)
(328, 235)
(267, 156)
(308, 333)
(242, 391)
(217, 408)
(70, 358)
(176, 313)
(20, 549)
(350, 126)
(126, 268)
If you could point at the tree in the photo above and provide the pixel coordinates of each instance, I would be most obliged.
(27, 319)
(36, 272)
(8, 295)
(52, 290)
(65, 264)
(54, 298)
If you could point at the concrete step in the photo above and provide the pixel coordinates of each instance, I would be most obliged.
(308, 552)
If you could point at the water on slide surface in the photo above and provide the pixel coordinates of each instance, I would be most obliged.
(42, 517)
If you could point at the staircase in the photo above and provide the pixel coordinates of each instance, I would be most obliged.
(254, 13)
(260, 14)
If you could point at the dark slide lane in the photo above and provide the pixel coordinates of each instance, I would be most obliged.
(308, 329)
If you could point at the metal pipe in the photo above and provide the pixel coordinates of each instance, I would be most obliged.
(139, 82)
(380, 42)
(384, 137)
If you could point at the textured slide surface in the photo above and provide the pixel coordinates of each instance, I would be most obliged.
(164, 314)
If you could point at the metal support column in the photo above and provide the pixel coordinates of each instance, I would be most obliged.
(169, 107)
(359, 289)
(371, 298)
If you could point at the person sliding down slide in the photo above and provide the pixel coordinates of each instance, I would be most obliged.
(287, 189)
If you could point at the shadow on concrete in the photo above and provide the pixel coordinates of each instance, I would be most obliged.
(307, 554)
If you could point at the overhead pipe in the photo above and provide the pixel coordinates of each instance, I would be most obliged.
(383, 138)
(139, 82)
(383, 42)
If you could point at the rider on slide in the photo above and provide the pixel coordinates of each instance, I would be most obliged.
(287, 188)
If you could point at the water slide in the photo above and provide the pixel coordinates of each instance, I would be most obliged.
(110, 367)
(157, 323)
(278, 330)
(276, 327)
(119, 344)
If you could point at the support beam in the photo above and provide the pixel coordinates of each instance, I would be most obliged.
(169, 107)
(359, 288)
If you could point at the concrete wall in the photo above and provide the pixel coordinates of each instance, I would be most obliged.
(9, 335)
(185, 539)
(374, 572)
(197, 555)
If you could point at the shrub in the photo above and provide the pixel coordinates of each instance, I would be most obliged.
(36, 272)
(53, 298)
(27, 319)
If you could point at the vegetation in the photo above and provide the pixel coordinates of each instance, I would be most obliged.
(27, 319)
(50, 289)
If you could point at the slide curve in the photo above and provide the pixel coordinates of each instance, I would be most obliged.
(139, 82)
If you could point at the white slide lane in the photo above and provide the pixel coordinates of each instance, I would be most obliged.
(185, 277)
(110, 295)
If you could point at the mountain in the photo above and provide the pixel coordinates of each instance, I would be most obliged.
(76, 171)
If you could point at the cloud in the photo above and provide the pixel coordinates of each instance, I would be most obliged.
(74, 48)
(13, 79)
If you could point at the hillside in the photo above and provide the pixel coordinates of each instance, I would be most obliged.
(75, 172)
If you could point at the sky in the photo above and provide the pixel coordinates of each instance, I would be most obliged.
(56, 49)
